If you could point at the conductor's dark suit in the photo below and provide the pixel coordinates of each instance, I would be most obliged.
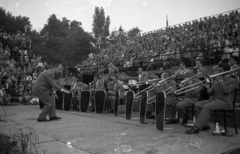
(43, 89)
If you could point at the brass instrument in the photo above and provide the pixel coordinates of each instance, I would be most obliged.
(91, 84)
(150, 88)
(173, 87)
(209, 79)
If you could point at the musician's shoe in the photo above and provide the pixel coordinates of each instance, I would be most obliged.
(193, 130)
(185, 120)
(171, 121)
(55, 118)
(150, 117)
(42, 120)
(110, 111)
(205, 128)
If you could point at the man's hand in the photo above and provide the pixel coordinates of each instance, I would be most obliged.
(56, 96)
(219, 78)
(206, 85)
(66, 91)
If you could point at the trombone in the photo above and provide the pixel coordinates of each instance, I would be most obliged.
(209, 79)
(174, 87)
(150, 88)
(158, 79)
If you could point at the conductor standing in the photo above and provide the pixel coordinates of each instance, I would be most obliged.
(43, 89)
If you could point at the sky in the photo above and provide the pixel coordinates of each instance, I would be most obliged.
(147, 15)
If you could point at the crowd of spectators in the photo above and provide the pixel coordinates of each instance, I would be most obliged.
(18, 68)
(208, 37)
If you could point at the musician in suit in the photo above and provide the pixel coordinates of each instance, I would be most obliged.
(157, 88)
(221, 93)
(97, 84)
(234, 63)
(142, 76)
(189, 99)
(113, 85)
(73, 81)
(43, 89)
(161, 71)
(182, 72)
(224, 59)
(199, 66)
(112, 69)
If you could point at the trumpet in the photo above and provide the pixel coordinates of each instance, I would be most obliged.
(208, 79)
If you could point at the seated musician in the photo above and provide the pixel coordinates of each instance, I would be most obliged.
(182, 72)
(221, 93)
(142, 76)
(97, 84)
(77, 88)
(224, 59)
(161, 71)
(73, 82)
(189, 99)
(112, 69)
(233, 63)
(168, 84)
(199, 66)
(113, 85)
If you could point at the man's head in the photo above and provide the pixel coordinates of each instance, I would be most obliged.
(165, 75)
(182, 65)
(114, 77)
(198, 63)
(96, 77)
(58, 68)
(223, 68)
(161, 69)
(233, 61)
(139, 70)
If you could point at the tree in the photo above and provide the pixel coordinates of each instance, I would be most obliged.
(100, 26)
(14, 24)
(134, 32)
(63, 41)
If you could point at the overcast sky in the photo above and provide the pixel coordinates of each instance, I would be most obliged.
(146, 14)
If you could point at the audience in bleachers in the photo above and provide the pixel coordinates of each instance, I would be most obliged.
(18, 67)
(208, 37)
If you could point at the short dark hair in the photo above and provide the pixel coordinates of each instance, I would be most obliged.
(199, 59)
(182, 62)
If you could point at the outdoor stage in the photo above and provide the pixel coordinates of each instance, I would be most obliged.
(82, 133)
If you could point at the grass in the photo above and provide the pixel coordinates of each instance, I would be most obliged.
(19, 141)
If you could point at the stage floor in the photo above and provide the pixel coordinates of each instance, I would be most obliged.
(91, 133)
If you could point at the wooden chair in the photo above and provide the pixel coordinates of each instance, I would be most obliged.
(224, 114)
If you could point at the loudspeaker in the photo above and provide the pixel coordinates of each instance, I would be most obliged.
(59, 101)
(88, 78)
(67, 101)
(67, 87)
